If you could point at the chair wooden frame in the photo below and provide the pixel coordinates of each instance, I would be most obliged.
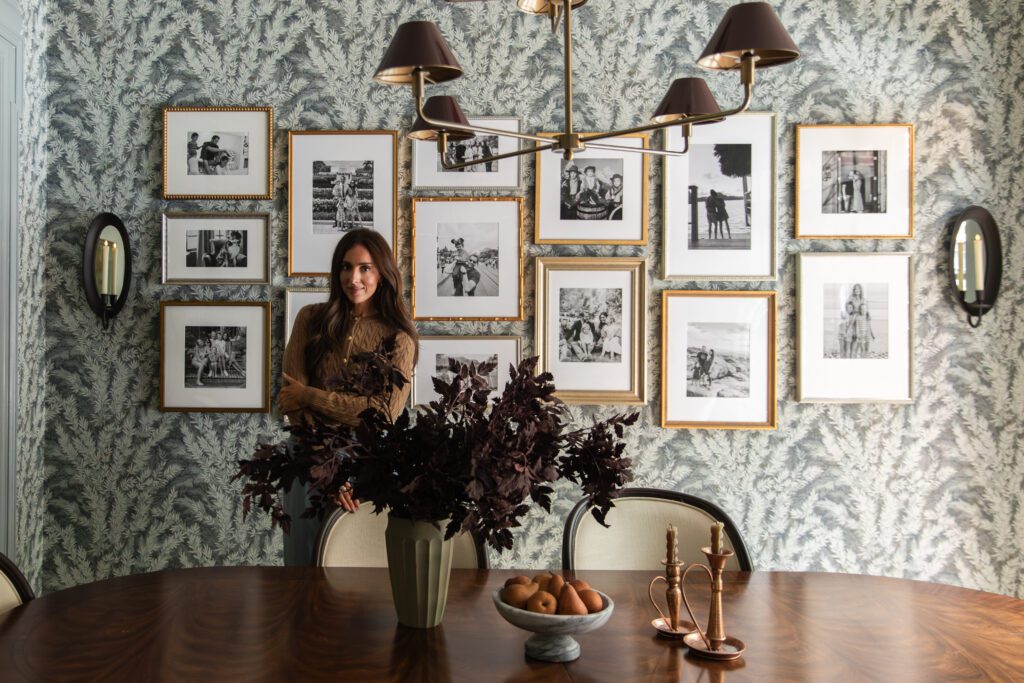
(21, 585)
(572, 522)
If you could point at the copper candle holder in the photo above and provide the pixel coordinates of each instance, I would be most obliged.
(712, 643)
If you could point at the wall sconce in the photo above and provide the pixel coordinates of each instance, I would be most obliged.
(975, 262)
(106, 266)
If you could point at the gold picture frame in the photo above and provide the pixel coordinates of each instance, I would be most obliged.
(425, 341)
(558, 361)
(293, 271)
(670, 383)
(263, 361)
(416, 253)
(539, 218)
(170, 217)
(168, 180)
(879, 129)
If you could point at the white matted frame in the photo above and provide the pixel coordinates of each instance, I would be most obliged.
(439, 277)
(751, 256)
(295, 299)
(505, 174)
(175, 357)
(183, 264)
(245, 153)
(313, 233)
(571, 290)
(550, 225)
(507, 348)
(826, 284)
(830, 204)
(726, 390)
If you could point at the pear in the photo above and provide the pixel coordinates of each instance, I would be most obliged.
(555, 585)
(569, 601)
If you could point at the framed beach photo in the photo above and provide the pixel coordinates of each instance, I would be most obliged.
(295, 298)
(218, 153)
(855, 181)
(503, 174)
(600, 197)
(590, 328)
(436, 353)
(855, 319)
(719, 201)
(467, 258)
(718, 359)
(216, 248)
(215, 356)
(338, 180)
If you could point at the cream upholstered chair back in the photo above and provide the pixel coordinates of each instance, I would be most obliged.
(636, 537)
(356, 539)
(14, 588)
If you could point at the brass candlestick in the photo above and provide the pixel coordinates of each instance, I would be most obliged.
(670, 626)
(712, 643)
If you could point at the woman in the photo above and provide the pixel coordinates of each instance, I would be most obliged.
(711, 206)
(200, 358)
(364, 307)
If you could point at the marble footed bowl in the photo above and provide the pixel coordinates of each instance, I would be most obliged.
(552, 641)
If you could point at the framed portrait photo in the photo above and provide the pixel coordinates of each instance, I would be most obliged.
(719, 201)
(600, 197)
(295, 298)
(467, 258)
(503, 174)
(590, 328)
(216, 248)
(215, 356)
(855, 181)
(338, 180)
(855, 318)
(718, 359)
(436, 354)
(218, 153)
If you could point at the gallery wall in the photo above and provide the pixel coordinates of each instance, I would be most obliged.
(930, 490)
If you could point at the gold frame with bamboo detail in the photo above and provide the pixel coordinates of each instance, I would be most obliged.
(291, 187)
(772, 407)
(521, 253)
(472, 337)
(796, 184)
(644, 209)
(270, 152)
(637, 267)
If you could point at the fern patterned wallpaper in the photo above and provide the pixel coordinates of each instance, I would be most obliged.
(930, 491)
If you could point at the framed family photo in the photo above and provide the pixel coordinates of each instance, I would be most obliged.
(218, 153)
(600, 197)
(467, 258)
(338, 180)
(855, 318)
(295, 298)
(718, 359)
(215, 356)
(590, 328)
(436, 354)
(719, 201)
(503, 174)
(855, 181)
(216, 248)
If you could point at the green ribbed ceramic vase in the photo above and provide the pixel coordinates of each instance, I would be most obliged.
(420, 563)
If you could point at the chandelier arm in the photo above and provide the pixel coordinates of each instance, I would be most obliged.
(507, 155)
(638, 150)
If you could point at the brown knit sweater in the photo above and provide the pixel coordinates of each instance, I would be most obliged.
(365, 334)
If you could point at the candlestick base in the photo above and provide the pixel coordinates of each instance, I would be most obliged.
(730, 648)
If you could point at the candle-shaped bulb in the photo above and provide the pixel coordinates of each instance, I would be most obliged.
(105, 272)
(114, 289)
(716, 537)
(979, 263)
(671, 545)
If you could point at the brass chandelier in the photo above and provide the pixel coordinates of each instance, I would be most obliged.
(750, 36)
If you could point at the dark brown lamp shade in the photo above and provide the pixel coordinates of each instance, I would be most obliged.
(686, 97)
(443, 108)
(749, 27)
(543, 6)
(417, 45)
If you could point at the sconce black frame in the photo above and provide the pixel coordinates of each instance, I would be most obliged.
(105, 310)
(986, 298)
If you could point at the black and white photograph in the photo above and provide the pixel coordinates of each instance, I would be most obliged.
(467, 259)
(211, 248)
(428, 173)
(437, 352)
(592, 190)
(590, 324)
(479, 147)
(218, 153)
(853, 181)
(216, 248)
(342, 196)
(719, 196)
(718, 355)
(443, 371)
(216, 357)
(856, 320)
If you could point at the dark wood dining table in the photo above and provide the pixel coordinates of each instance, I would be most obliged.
(311, 624)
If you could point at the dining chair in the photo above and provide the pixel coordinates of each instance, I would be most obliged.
(14, 588)
(356, 539)
(635, 538)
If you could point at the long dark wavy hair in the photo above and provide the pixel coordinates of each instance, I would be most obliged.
(330, 321)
